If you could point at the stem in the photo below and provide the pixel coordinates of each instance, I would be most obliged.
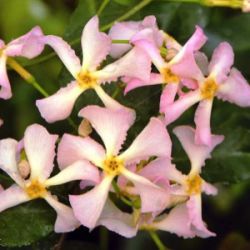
(157, 240)
(130, 13)
(103, 239)
(102, 7)
(120, 41)
(26, 76)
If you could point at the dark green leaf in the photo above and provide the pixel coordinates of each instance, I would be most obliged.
(25, 224)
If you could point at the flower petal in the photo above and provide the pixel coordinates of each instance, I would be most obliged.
(235, 89)
(132, 83)
(209, 189)
(134, 64)
(73, 148)
(65, 220)
(5, 91)
(80, 170)
(197, 154)
(176, 109)
(107, 100)
(117, 221)
(12, 196)
(65, 53)
(153, 198)
(88, 207)
(40, 150)
(195, 210)
(95, 44)
(202, 121)
(221, 62)
(168, 95)
(154, 140)
(111, 125)
(29, 45)
(177, 222)
(8, 159)
(59, 106)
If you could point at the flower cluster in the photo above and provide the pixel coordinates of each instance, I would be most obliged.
(142, 175)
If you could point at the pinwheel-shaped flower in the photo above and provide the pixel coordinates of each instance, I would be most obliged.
(173, 73)
(222, 81)
(39, 147)
(190, 186)
(29, 45)
(95, 47)
(112, 126)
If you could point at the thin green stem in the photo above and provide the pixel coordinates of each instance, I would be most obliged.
(104, 238)
(102, 7)
(120, 41)
(130, 13)
(157, 240)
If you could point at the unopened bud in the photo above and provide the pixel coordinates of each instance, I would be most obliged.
(84, 128)
(24, 168)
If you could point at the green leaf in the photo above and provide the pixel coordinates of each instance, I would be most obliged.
(25, 224)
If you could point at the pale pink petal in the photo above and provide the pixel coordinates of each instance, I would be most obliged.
(95, 44)
(8, 159)
(80, 170)
(5, 91)
(152, 51)
(73, 148)
(202, 61)
(88, 207)
(196, 153)
(65, 53)
(29, 45)
(40, 150)
(209, 189)
(202, 122)
(162, 169)
(12, 196)
(221, 62)
(59, 105)
(168, 96)
(111, 125)
(195, 215)
(133, 64)
(153, 198)
(117, 221)
(176, 109)
(2, 44)
(184, 63)
(235, 89)
(154, 140)
(132, 83)
(65, 220)
(107, 100)
(177, 222)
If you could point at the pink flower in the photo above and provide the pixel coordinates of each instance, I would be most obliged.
(173, 74)
(29, 45)
(130, 30)
(39, 147)
(222, 81)
(95, 46)
(112, 126)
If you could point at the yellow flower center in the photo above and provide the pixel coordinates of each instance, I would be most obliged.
(169, 76)
(209, 88)
(194, 185)
(113, 166)
(35, 189)
(86, 80)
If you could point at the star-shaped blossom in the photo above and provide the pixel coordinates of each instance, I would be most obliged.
(96, 46)
(39, 147)
(222, 81)
(29, 45)
(173, 74)
(191, 186)
(112, 126)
